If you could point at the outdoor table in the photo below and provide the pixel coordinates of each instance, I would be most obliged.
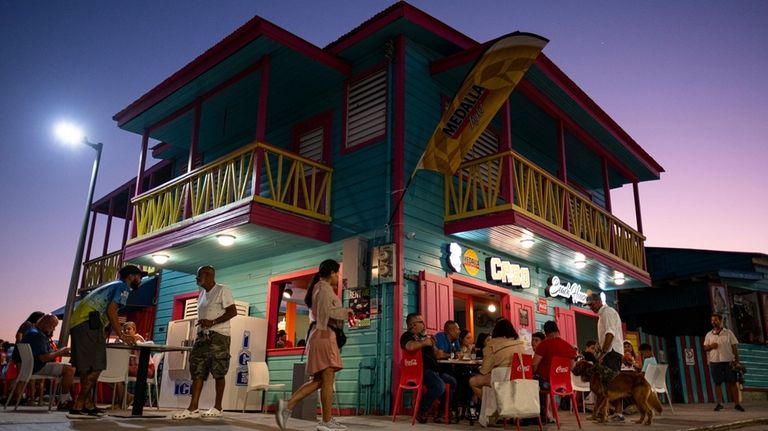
(140, 391)
(465, 362)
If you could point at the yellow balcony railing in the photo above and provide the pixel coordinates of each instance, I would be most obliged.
(283, 180)
(482, 187)
(100, 270)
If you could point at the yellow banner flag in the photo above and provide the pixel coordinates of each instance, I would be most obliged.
(487, 86)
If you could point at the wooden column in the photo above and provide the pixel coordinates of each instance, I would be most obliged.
(90, 236)
(140, 175)
(261, 115)
(108, 230)
(637, 207)
(606, 185)
(507, 165)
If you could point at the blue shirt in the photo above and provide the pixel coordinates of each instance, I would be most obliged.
(40, 345)
(445, 345)
(648, 361)
(98, 300)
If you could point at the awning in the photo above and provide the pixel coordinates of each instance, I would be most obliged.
(142, 297)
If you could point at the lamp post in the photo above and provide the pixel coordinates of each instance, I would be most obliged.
(72, 135)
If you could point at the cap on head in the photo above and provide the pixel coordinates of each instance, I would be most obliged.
(128, 270)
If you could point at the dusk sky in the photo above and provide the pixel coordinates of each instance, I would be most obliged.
(686, 79)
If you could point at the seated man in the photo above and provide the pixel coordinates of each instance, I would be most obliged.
(434, 382)
(448, 340)
(646, 354)
(590, 352)
(552, 346)
(282, 340)
(45, 357)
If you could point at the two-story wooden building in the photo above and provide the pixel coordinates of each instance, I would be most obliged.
(293, 153)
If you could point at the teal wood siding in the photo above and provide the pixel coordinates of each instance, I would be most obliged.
(172, 283)
(754, 356)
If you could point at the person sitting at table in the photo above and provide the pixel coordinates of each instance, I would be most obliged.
(629, 360)
(467, 346)
(590, 351)
(646, 354)
(551, 347)
(496, 353)
(130, 331)
(448, 340)
(482, 338)
(536, 338)
(415, 338)
(282, 340)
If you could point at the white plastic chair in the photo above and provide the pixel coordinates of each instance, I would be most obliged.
(25, 375)
(151, 382)
(258, 380)
(117, 370)
(489, 406)
(582, 387)
(656, 375)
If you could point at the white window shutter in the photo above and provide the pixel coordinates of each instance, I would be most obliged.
(366, 108)
(311, 145)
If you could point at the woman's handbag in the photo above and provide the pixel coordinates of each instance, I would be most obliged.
(518, 398)
(338, 328)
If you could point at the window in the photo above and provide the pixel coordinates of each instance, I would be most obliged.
(366, 104)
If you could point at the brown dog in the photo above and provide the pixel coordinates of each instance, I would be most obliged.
(624, 384)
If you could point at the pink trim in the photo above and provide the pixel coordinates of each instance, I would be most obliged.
(290, 223)
(478, 284)
(392, 14)
(459, 59)
(284, 352)
(579, 96)
(354, 79)
(398, 168)
(583, 311)
(324, 121)
(178, 304)
(261, 115)
(533, 93)
(251, 30)
(272, 290)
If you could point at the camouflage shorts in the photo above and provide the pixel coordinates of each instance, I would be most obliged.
(209, 355)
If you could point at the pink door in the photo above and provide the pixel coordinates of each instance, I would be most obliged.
(435, 300)
(566, 322)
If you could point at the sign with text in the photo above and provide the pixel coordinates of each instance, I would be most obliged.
(542, 306)
(570, 291)
(360, 303)
(505, 272)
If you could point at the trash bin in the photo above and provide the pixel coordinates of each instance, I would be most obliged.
(307, 408)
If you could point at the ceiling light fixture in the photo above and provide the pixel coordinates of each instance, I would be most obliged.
(580, 261)
(226, 240)
(288, 293)
(527, 242)
(491, 308)
(160, 258)
(618, 278)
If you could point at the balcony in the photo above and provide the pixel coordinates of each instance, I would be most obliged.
(100, 270)
(508, 189)
(284, 180)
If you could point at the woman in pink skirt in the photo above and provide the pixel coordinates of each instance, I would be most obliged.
(324, 358)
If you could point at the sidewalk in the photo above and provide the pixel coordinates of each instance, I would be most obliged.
(685, 417)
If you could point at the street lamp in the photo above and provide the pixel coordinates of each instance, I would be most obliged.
(71, 134)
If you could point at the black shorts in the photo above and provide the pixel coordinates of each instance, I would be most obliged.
(722, 373)
(89, 348)
(612, 360)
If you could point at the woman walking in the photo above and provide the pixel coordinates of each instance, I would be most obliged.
(324, 358)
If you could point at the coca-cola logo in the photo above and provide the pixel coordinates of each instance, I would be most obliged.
(568, 290)
(527, 368)
(562, 370)
(411, 362)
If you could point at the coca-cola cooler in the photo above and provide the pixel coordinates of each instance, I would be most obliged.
(249, 335)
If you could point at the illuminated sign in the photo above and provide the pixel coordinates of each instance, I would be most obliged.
(505, 272)
(454, 256)
(471, 262)
(570, 291)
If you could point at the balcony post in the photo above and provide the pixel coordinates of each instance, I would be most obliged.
(140, 175)
(563, 174)
(90, 236)
(193, 153)
(508, 190)
(636, 192)
(261, 115)
(128, 207)
(608, 207)
(109, 226)
(257, 157)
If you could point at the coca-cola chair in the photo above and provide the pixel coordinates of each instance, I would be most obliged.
(560, 384)
(411, 378)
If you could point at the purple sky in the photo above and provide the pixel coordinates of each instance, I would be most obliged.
(686, 79)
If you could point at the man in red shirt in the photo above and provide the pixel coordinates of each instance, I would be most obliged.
(552, 346)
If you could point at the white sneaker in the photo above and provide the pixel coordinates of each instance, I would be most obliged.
(338, 425)
(331, 425)
(282, 414)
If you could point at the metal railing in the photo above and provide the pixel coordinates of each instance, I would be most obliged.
(283, 180)
(507, 180)
(101, 270)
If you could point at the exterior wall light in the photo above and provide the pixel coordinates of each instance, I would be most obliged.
(226, 240)
(618, 278)
(160, 258)
(491, 308)
(527, 242)
(580, 261)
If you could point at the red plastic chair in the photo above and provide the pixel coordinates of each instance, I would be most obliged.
(522, 371)
(411, 378)
(560, 384)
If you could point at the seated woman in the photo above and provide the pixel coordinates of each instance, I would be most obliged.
(496, 353)
(129, 329)
(482, 338)
(630, 360)
(467, 346)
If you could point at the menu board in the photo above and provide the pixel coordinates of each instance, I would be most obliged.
(360, 303)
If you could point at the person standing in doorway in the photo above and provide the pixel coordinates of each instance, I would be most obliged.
(722, 354)
(609, 338)
(324, 357)
(210, 353)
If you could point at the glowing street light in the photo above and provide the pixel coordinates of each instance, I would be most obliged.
(73, 135)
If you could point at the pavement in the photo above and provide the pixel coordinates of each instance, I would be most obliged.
(685, 417)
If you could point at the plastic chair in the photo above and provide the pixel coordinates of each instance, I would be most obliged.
(582, 387)
(411, 379)
(560, 384)
(522, 370)
(488, 404)
(258, 380)
(25, 375)
(117, 370)
(656, 375)
(151, 382)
